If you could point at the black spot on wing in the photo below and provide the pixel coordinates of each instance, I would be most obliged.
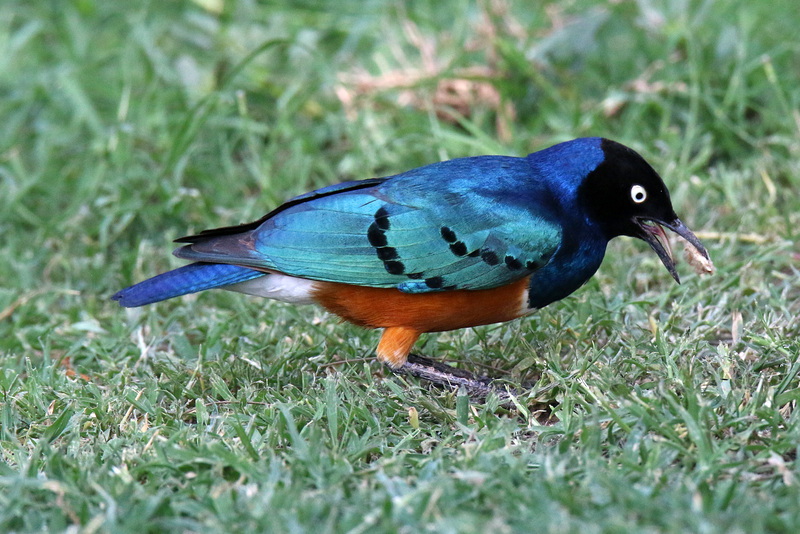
(394, 267)
(459, 248)
(513, 263)
(387, 253)
(531, 265)
(490, 257)
(434, 282)
(376, 236)
(382, 218)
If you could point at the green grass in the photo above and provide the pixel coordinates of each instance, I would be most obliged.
(124, 127)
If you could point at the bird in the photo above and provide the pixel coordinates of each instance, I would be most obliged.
(450, 245)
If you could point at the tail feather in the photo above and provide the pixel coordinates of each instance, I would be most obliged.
(182, 281)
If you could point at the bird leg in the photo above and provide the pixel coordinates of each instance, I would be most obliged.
(395, 344)
(443, 375)
(394, 350)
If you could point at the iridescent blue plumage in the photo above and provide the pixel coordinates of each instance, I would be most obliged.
(470, 223)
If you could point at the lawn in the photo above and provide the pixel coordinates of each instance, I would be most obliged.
(648, 406)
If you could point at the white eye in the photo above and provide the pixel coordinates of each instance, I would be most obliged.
(638, 194)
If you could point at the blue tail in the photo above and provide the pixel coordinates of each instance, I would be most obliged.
(182, 281)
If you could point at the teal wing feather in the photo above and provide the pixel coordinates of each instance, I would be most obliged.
(452, 225)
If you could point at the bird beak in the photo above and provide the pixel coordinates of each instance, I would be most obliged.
(654, 234)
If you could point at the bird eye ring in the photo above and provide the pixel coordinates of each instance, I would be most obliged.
(638, 194)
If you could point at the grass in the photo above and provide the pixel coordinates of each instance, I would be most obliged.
(124, 127)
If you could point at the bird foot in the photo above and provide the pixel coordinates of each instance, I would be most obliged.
(443, 375)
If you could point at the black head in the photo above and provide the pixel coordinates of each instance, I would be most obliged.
(625, 196)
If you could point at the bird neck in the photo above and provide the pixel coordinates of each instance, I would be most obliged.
(573, 264)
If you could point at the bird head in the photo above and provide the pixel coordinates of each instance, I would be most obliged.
(623, 195)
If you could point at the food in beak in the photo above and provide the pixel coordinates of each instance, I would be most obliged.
(701, 264)
(654, 234)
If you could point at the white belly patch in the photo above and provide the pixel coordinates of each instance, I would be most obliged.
(277, 287)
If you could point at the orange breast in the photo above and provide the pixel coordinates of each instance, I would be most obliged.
(372, 307)
(405, 316)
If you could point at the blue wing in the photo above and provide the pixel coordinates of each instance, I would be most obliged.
(471, 223)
